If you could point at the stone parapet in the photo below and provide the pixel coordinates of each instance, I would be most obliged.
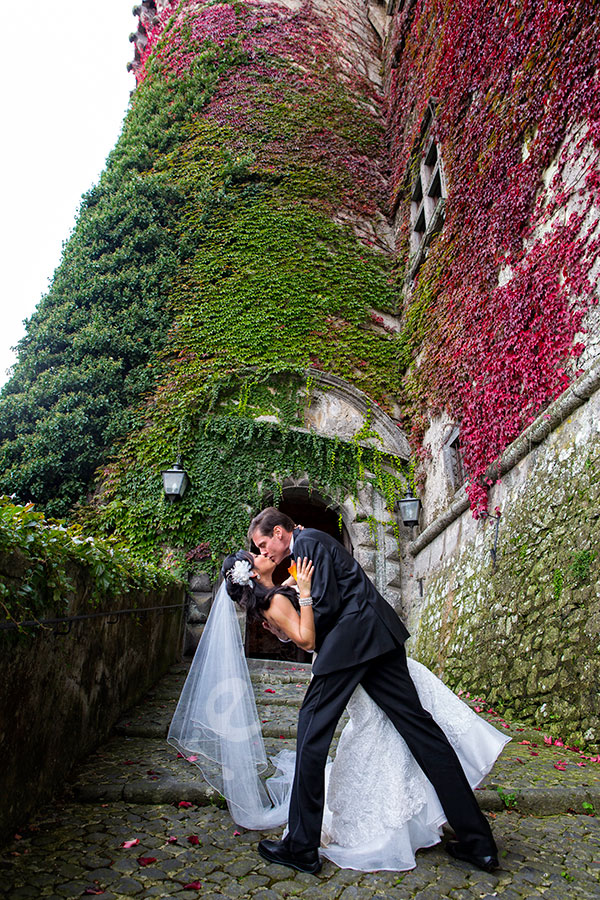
(65, 686)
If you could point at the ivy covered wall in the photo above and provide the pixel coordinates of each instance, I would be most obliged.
(239, 231)
(240, 235)
(524, 633)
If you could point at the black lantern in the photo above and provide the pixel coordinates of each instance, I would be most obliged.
(409, 507)
(175, 481)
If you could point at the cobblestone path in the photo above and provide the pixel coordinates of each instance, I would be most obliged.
(131, 789)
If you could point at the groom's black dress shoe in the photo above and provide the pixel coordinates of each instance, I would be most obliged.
(278, 852)
(487, 863)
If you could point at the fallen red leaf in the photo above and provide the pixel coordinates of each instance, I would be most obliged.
(172, 839)
(90, 890)
(146, 860)
(269, 691)
(132, 843)
(236, 833)
(193, 886)
(192, 839)
(184, 804)
(191, 758)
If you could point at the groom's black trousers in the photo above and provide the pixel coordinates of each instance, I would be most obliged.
(387, 680)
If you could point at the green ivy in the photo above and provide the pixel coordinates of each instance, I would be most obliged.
(53, 553)
(236, 465)
(209, 270)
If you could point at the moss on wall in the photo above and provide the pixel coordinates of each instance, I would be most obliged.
(526, 636)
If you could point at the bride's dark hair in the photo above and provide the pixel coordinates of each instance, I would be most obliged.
(252, 597)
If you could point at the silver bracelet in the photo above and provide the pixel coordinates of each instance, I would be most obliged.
(305, 601)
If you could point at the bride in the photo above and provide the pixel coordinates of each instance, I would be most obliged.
(380, 807)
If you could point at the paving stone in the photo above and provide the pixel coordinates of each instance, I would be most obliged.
(70, 889)
(251, 882)
(103, 874)
(127, 886)
(353, 892)
(25, 892)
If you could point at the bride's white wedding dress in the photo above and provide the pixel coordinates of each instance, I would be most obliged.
(380, 807)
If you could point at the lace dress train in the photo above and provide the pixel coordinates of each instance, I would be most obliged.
(380, 807)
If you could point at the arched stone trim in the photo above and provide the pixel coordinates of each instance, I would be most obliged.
(336, 409)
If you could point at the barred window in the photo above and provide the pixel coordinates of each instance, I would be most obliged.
(428, 196)
(453, 460)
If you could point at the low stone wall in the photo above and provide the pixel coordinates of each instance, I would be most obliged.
(524, 634)
(61, 694)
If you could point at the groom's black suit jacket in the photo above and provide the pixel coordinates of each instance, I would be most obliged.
(353, 622)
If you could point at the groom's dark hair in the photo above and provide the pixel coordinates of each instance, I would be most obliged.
(266, 521)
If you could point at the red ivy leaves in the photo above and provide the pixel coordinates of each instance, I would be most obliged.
(506, 286)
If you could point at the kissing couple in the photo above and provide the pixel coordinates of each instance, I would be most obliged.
(406, 762)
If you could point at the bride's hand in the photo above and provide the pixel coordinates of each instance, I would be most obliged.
(304, 572)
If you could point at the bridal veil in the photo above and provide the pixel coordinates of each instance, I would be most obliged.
(216, 724)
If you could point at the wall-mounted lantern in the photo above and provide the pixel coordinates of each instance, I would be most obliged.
(175, 481)
(409, 508)
(494, 547)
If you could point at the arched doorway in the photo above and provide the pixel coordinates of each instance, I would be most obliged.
(312, 510)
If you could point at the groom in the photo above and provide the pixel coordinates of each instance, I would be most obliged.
(359, 640)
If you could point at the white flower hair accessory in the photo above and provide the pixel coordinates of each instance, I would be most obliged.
(240, 572)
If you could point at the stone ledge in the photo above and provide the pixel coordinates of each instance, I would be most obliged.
(549, 801)
(531, 801)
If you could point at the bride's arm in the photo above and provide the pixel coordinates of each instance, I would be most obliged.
(283, 615)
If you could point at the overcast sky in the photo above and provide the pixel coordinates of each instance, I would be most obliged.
(65, 93)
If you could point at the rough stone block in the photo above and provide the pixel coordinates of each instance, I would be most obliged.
(199, 582)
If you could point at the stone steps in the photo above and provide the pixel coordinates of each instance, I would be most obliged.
(138, 766)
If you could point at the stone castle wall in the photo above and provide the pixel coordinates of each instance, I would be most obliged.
(523, 633)
(62, 693)
(500, 311)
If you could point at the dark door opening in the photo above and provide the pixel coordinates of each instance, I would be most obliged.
(312, 513)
